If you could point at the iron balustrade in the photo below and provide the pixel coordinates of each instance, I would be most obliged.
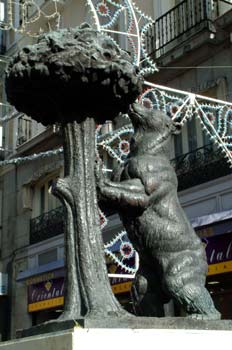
(199, 166)
(188, 17)
(47, 225)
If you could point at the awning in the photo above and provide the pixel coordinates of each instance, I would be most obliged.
(211, 218)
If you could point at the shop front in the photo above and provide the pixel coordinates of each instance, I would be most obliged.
(45, 295)
(217, 238)
(219, 279)
(45, 290)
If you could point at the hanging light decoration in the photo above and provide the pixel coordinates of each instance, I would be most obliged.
(22, 8)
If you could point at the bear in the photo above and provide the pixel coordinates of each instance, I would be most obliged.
(144, 190)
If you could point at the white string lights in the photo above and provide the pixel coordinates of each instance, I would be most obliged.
(215, 115)
(180, 105)
(124, 19)
(121, 251)
(116, 143)
(20, 15)
(36, 156)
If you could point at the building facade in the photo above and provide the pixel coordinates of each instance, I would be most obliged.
(191, 43)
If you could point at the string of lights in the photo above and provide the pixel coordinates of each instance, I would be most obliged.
(120, 250)
(9, 117)
(195, 67)
(36, 156)
(9, 23)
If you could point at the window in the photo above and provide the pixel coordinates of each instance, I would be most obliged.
(24, 129)
(45, 253)
(192, 134)
(47, 257)
(43, 200)
(178, 145)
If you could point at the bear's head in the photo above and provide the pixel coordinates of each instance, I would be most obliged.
(152, 129)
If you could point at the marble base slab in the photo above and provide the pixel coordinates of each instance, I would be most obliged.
(115, 339)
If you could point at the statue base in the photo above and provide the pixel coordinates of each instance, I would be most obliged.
(79, 338)
(151, 323)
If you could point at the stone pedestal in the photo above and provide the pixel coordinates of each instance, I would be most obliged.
(127, 323)
(115, 339)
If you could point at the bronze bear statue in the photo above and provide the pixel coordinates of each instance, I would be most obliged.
(144, 191)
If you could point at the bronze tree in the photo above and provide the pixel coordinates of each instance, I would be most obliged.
(77, 77)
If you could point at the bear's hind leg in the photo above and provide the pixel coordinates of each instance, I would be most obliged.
(184, 280)
(198, 302)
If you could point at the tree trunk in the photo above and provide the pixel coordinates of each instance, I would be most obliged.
(88, 292)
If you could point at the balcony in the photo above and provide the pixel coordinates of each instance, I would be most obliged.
(202, 165)
(47, 225)
(42, 139)
(190, 25)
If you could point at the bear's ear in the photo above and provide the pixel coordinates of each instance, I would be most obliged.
(176, 128)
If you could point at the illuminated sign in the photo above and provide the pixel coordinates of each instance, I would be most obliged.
(218, 248)
(223, 267)
(219, 253)
(50, 294)
(46, 304)
(121, 287)
(46, 294)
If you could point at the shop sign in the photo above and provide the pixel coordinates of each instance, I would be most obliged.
(121, 287)
(46, 294)
(216, 269)
(219, 253)
(46, 304)
(218, 248)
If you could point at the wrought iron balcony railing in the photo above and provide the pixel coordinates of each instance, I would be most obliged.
(47, 225)
(199, 166)
(187, 18)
